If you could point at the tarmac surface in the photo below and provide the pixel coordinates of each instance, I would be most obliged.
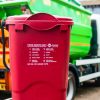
(89, 91)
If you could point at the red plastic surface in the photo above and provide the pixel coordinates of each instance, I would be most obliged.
(39, 52)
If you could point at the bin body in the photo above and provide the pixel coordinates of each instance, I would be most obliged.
(39, 53)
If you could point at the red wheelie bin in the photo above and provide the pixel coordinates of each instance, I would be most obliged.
(39, 56)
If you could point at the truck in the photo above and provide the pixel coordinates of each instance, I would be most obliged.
(84, 59)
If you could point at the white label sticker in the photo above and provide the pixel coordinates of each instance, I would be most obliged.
(41, 54)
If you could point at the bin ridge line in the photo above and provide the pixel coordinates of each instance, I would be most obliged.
(37, 83)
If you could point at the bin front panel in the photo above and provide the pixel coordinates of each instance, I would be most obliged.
(39, 62)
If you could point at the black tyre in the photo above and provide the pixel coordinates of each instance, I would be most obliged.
(71, 86)
(97, 82)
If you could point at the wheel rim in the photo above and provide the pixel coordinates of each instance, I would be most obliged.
(70, 90)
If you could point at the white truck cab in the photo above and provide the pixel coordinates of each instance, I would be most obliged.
(95, 18)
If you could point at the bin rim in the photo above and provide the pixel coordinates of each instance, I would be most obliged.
(24, 18)
(36, 20)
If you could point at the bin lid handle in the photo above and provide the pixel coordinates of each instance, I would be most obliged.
(41, 25)
(41, 21)
(42, 16)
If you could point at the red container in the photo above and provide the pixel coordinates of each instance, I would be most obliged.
(39, 52)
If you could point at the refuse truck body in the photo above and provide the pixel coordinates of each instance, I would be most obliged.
(84, 42)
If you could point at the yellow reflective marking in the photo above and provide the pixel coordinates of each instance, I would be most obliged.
(2, 81)
(79, 44)
(1, 56)
(2, 87)
(6, 33)
(7, 49)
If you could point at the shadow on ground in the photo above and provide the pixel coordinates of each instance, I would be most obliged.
(4, 95)
(89, 91)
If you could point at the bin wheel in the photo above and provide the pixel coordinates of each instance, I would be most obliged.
(71, 86)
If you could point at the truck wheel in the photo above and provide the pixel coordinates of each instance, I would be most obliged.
(97, 82)
(71, 86)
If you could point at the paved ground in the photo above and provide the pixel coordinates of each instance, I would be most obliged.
(90, 91)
